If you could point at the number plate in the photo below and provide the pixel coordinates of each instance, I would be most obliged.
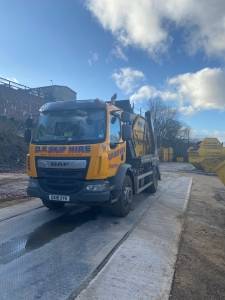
(61, 198)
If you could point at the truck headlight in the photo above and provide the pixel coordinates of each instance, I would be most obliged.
(98, 187)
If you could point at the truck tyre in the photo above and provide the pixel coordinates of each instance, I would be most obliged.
(153, 187)
(52, 205)
(123, 205)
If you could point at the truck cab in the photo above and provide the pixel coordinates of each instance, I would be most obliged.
(92, 153)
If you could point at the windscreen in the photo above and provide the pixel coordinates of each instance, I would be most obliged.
(76, 126)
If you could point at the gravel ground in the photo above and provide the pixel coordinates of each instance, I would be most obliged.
(200, 268)
(12, 188)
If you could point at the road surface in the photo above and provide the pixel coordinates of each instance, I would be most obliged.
(67, 254)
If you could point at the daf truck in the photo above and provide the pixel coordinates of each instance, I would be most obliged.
(91, 153)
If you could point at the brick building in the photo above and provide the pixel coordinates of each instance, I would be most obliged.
(55, 93)
(19, 102)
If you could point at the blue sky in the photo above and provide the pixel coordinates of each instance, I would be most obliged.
(140, 49)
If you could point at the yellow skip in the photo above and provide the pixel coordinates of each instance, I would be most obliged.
(220, 171)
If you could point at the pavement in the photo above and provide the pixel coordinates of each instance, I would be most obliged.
(143, 267)
(177, 167)
(90, 255)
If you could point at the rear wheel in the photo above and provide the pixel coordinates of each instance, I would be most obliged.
(53, 205)
(123, 205)
(153, 187)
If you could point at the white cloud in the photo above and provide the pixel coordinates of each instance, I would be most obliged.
(132, 22)
(187, 110)
(146, 92)
(93, 58)
(202, 90)
(127, 79)
(118, 52)
(146, 23)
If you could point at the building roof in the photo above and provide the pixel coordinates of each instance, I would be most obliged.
(47, 87)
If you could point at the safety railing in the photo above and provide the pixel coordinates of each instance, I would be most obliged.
(18, 86)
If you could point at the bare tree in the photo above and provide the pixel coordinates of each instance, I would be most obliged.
(184, 133)
(165, 120)
(170, 131)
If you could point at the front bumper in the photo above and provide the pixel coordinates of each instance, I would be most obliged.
(81, 197)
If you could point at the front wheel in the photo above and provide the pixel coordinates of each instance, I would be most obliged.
(52, 205)
(123, 205)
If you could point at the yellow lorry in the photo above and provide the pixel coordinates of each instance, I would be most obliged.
(91, 152)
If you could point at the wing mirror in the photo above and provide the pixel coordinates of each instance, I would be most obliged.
(27, 135)
(127, 132)
(126, 117)
(28, 131)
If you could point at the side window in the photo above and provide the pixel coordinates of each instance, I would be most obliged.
(115, 129)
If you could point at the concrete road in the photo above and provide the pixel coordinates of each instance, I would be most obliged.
(49, 255)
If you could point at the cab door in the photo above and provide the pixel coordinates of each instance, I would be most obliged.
(117, 153)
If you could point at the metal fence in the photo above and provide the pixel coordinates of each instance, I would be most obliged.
(17, 86)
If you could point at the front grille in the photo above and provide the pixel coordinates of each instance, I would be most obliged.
(61, 173)
(58, 185)
(61, 180)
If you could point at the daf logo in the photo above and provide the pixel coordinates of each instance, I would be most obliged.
(59, 164)
(62, 164)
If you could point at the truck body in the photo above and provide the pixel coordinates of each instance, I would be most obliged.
(92, 153)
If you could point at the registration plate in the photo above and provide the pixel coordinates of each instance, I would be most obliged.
(61, 198)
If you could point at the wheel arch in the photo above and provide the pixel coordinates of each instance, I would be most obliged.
(124, 169)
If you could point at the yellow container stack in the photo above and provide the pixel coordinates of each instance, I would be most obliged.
(209, 164)
(166, 154)
(207, 155)
(194, 157)
(220, 171)
(211, 147)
